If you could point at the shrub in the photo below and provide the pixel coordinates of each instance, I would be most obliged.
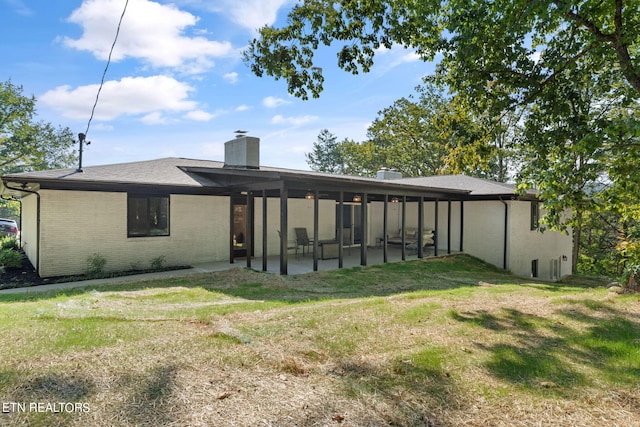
(95, 265)
(158, 262)
(10, 258)
(9, 243)
(632, 278)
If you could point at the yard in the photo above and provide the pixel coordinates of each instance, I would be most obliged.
(434, 342)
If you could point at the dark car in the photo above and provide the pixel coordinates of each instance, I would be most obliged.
(9, 227)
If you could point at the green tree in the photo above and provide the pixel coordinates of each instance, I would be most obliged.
(326, 155)
(405, 136)
(520, 43)
(430, 133)
(578, 143)
(25, 144)
(570, 70)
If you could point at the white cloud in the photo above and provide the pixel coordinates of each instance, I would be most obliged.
(19, 7)
(273, 102)
(129, 96)
(243, 107)
(536, 56)
(103, 127)
(397, 55)
(231, 77)
(199, 116)
(155, 118)
(295, 121)
(250, 14)
(151, 32)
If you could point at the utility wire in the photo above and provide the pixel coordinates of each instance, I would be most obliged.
(106, 67)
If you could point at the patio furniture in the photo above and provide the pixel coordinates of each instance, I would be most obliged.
(302, 239)
(291, 244)
(411, 238)
(328, 249)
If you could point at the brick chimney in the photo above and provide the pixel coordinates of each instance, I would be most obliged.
(242, 152)
(386, 173)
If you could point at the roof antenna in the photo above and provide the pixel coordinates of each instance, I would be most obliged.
(81, 139)
(240, 133)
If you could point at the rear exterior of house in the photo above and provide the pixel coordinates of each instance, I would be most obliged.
(77, 224)
(189, 211)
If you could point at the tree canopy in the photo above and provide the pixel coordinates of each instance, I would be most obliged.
(326, 155)
(428, 133)
(522, 44)
(26, 144)
(566, 73)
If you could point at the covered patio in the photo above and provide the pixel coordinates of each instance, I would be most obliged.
(304, 264)
(266, 193)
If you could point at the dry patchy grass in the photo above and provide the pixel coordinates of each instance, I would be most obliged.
(468, 346)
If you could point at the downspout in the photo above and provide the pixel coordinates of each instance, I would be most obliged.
(506, 229)
(25, 190)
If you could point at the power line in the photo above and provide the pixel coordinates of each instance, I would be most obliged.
(106, 68)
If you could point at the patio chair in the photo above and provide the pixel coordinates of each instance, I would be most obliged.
(302, 239)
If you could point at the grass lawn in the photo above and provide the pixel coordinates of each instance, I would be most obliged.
(434, 342)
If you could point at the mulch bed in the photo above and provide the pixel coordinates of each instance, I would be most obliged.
(20, 277)
(26, 275)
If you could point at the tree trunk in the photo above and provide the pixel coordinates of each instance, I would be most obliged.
(577, 236)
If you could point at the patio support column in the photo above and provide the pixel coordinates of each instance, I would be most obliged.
(461, 224)
(363, 229)
(340, 228)
(284, 229)
(404, 226)
(449, 226)
(264, 230)
(435, 227)
(231, 259)
(315, 230)
(385, 226)
(420, 227)
(506, 234)
(250, 230)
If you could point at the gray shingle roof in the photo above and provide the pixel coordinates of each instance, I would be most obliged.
(476, 186)
(174, 171)
(164, 171)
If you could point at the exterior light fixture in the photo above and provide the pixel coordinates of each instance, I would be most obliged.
(394, 200)
(309, 196)
(357, 198)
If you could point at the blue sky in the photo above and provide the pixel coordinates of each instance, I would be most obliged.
(177, 85)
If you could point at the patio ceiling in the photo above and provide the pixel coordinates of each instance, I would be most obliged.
(299, 184)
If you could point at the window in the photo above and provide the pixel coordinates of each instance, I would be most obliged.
(147, 216)
(535, 215)
(534, 268)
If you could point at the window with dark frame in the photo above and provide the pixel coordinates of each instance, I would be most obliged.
(147, 216)
(535, 215)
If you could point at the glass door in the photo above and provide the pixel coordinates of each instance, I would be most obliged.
(239, 230)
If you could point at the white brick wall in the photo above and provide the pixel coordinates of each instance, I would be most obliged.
(526, 245)
(77, 224)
